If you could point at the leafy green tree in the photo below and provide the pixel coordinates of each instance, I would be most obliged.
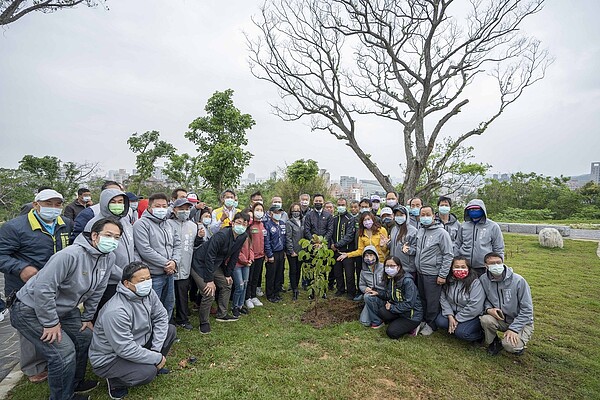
(302, 176)
(17, 187)
(184, 170)
(148, 148)
(219, 137)
(317, 260)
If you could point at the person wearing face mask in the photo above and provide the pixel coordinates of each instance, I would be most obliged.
(256, 197)
(294, 231)
(159, 247)
(26, 244)
(46, 311)
(83, 200)
(276, 201)
(477, 236)
(398, 304)
(275, 242)
(133, 207)
(318, 221)
(432, 260)
(462, 302)
(370, 233)
(508, 307)
(343, 242)
(222, 216)
(391, 199)
(241, 273)
(370, 283)
(375, 204)
(414, 210)
(387, 218)
(403, 241)
(304, 201)
(258, 233)
(115, 204)
(449, 220)
(132, 336)
(187, 231)
(86, 215)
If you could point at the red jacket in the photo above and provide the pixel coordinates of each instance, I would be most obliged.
(257, 231)
(246, 256)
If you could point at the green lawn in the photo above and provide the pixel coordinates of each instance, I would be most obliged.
(271, 355)
(573, 223)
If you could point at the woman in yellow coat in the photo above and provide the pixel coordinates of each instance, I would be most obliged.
(370, 233)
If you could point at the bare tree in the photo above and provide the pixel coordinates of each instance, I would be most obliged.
(409, 61)
(12, 10)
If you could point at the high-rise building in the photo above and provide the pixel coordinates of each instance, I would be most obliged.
(251, 178)
(346, 183)
(595, 172)
(325, 175)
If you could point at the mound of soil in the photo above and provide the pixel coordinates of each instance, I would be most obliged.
(330, 312)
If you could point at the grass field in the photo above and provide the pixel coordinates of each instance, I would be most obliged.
(271, 355)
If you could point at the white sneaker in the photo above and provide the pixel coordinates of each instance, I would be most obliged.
(256, 302)
(249, 304)
(426, 330)
(3, 314)
(259, 292)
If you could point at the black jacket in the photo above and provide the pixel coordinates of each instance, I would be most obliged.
(318, 224)
(222, 247)
(343, 233)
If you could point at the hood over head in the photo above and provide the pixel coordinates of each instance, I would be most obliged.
(475, 203)
(106, 196)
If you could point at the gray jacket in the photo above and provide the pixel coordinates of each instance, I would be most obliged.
(372, 278)
(125, 324)
(512, 295)
(475, 240)
(294, 231)
(125, 253)
(452, 226)
(434, 250)
(156, 242)
(464, 307)
(74, 275)
(407, 259)
(187, 232)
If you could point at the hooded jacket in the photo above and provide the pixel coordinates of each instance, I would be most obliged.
(371, 277)
(395, 245)
(187, 232)
(374, 240)
(464, 307)
(24, 241)
(294, 231)
(403, 297)
(77, 274)
(221, 247)
(512, 295)
(156, 242)
(434, 250)
(475, 240)
(452, 226)
(125, 253)
(82, 219)
(125, 324)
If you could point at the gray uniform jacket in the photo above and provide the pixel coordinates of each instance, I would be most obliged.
(187, 232)
(407, 259)
(125, 253)
(452, 226)
(125, 324)
(464, 307)
(512, 295)
(372, 278)
(74, 275)
(434, 251)
(156, 242)
(294, 231)
(474, 241)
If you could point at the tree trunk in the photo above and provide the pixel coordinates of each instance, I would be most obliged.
(383, 180)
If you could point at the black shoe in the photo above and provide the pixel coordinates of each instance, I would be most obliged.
(205, 328)
(244, 310)
(295, 295)
(324, 296)
(274, 299)
(227, 318)
(339, 294)
(85, 386)
(236, 312)
(519, 352)
(163, 371)
(311, 296)
(81, 397)
(116, 393)
(187, 326)
(495, 347)
(278, 297)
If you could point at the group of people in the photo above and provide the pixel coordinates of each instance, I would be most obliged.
(109, 282)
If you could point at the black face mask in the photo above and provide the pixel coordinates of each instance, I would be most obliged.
(318, 206)
(295, 214)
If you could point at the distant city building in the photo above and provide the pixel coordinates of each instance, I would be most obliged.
(119, 175)
(325, 175)
(371, 186)
(273, 175)
(595, 172)
(158, 174)
(251, 178)
(346, 183)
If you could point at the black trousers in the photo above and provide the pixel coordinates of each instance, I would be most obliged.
(429, 292)
(397, 324)
(109, 292)
(345, 276)
(357, 269)
(294, 272)
(255, 277)
(182, 310)
(274, 279)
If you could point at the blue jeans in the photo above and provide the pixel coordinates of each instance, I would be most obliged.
(468, 330)
(164, 286)
(369, 314)
(67, 360)
(240, 283)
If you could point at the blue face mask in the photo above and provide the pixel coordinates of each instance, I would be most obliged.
(444, 210)
(475, 213)
(426, 221)
(386, 220)
(239, 229)
(415, 211)
(143, 289)
(107, 245)
(400, 220)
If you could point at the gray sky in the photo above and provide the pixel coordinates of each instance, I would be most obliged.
(77, 83)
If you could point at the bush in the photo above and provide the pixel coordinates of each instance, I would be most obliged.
(518, 214)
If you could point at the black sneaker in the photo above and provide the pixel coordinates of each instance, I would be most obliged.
(236, 312)
(226, 318)
(495, 347)
(163, 371)
(86, 386)
(187, 326)
(205, 328)
(116, 393)
(80, 397)
(274, 299)
(244, 310)
(295, 295)
(339, 294)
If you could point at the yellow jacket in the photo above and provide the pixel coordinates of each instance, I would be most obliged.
(372, 239)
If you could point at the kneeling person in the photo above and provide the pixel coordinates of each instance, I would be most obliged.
(132, 336)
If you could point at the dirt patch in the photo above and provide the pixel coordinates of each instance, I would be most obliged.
(330, 312)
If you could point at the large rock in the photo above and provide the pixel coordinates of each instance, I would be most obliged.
(550, 237)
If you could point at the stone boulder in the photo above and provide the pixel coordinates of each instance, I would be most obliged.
(550, 237)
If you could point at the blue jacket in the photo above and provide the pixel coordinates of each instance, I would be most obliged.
(23, 242)
(275, 239)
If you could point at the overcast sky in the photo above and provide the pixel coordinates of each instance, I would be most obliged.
(77, 83)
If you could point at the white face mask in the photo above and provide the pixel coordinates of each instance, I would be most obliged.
(143, 288)
(259, 214)
(159, 213)
(86, 199)
(496, 269)
(304, 203)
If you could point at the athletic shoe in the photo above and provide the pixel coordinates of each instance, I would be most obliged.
(205, 328)
(187, 326)
(114, 393)
(339, 294)
(376, 326)
(3, 314)
(236, 312)
(256, 302)
(244, 310)
(249, 303)
(494, 347)
(86, 386)
(426, 330)
(259, 292)
(274, 299)
(227, 318)
(415, 331)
